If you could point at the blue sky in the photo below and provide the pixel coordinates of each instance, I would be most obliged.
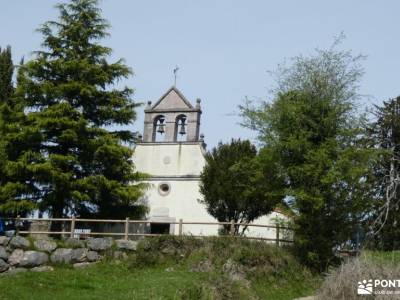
(224, 48)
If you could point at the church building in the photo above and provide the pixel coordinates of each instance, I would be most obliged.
(171, 152)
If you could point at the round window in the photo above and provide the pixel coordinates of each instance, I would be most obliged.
(167, 160)
(164, 189)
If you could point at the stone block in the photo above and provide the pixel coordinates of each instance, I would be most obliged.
(4, 241)
(15, 257)
(3, 266)
(93, 256)
(33, 259)
(19, 242)
(79, 255)
(45, 245)
(126, 244)
(3, 253)
(61, 255)
(99, 244)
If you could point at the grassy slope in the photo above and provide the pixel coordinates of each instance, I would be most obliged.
(103, 281)
(272, 275)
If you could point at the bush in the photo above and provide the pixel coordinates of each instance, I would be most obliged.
(342, 282)
(243, 257)
(163, 250)
(217, 288)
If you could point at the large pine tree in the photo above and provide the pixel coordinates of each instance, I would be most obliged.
(81, 167)
(17, 190)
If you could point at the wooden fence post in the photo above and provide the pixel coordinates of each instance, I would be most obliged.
(72, 227)
(17, 225)
(180, 226)
(232, 227)
(126, 229)
(277, 234)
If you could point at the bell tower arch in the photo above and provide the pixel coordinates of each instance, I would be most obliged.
(172, 119)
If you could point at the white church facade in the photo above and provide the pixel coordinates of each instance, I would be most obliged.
(171, 152)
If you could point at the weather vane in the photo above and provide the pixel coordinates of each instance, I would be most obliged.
(175, 74)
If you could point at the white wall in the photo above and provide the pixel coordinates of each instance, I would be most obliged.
(175, 159)
(269, 233)
(181, 203)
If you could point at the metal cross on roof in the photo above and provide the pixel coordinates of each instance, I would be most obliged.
(175, 74)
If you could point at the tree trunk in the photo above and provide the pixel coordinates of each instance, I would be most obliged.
(57, 212)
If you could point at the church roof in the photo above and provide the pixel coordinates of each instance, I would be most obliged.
(172, 99)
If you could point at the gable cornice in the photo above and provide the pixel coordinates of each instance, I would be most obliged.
(172, 88)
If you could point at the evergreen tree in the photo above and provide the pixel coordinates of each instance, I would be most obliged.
(327, 172)
(6, 73)
(237, 184)
(17, 190)
(81, 167)
(314, 131)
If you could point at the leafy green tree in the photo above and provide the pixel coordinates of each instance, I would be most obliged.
(15, 142)
(81, 167)
(385, 135)
(315, 133)
(6, 74)
(238, 185)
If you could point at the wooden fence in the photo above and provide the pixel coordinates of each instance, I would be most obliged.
(279, 238)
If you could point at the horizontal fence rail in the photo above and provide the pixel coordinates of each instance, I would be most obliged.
(279, 238)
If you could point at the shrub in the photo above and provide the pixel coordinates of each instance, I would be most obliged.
(217, 288)
(163, 249)
(254, 259)
(342, 282)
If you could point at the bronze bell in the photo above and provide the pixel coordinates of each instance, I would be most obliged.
(182, 131)
(161, 127)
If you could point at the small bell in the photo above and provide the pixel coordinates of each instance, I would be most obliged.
(182, 131)
(161, 126)
(182, 123)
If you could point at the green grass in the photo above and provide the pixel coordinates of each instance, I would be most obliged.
(271, 273)
(102, 281)
(382, 257)
(111, 281)
(285, 290)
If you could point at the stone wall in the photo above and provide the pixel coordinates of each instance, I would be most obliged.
(19, 254)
